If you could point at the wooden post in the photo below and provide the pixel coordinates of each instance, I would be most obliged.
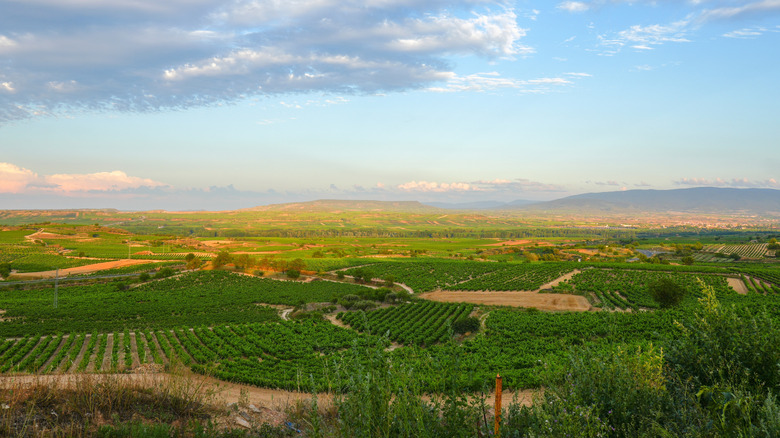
(497, 425)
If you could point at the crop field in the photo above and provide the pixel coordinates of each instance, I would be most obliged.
(627, 289)
(745, 251)
(220, 323)
(250, 321)
(208, 297)
(411, 323)
(424, 276)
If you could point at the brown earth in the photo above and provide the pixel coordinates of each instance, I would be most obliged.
(221, 392)
(559, 280)
(510, 243)
(738, 285)
(88, 269)
(553, 302)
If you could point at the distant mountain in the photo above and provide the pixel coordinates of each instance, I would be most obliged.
(345, 205)
(480, 205)
(699, 199)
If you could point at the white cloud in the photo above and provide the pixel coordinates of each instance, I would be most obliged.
(7, 87)
(573, 6)
(747, 33)
(645, 37)
(14, 179)
(6, 44)
(495, 186)
(734, 182)
(143, 55)
(100, 181)
(491, 81)
(761, 7)
(425, 186)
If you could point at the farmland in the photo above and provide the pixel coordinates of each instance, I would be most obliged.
(302, 313)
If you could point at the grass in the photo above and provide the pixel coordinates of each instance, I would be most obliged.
(84, 404)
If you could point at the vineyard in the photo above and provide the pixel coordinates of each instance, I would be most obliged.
(220, 323)
(425, 276)
(412, 323)
(623, 289)
(199, 298)
(745, 251)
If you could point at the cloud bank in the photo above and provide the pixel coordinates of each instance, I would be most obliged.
(145, 55)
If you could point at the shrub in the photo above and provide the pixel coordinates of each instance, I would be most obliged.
(348, 300)
(293, 273)
(666, 292)
(164, 272)
(465, 325)
(363, 305)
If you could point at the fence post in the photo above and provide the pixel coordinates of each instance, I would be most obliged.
(497, 424)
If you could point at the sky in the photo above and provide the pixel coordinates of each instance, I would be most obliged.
(225, 104)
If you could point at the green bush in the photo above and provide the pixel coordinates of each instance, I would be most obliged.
(666, 292)
(364, 305)
(348, 300)
(164, 272)
(466, 325)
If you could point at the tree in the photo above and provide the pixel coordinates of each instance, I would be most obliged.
(297, 264)
(222, 259)
(293, 273)
(666, 292)
(463, 325)
(687, 260)
(189, 257)
(5, 269)
(194, 263)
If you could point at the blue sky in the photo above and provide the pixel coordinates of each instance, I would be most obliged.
(205, 104)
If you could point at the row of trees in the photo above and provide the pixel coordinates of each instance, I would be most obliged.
(245, 262)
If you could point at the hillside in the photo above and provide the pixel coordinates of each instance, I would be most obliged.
(700, 199)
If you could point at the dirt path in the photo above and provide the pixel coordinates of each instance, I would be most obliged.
(82, 351)
(224, 393)
(285, 314)
(106, 365)
(88, 269)
(93, 356)
(558, 302)
(155, 343)
(559, 280)
(738, 285)
(335, 321)
(134, 350)
(405, 287)
(55, 352)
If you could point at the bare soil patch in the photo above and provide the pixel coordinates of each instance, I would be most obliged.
(332, 318)
(226, 393)
(550, 302)
(738, 285)
(560, 280)
(510, 243)
(82, 351)
(88, 269)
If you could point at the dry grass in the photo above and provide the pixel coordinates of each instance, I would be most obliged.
(78, 406)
